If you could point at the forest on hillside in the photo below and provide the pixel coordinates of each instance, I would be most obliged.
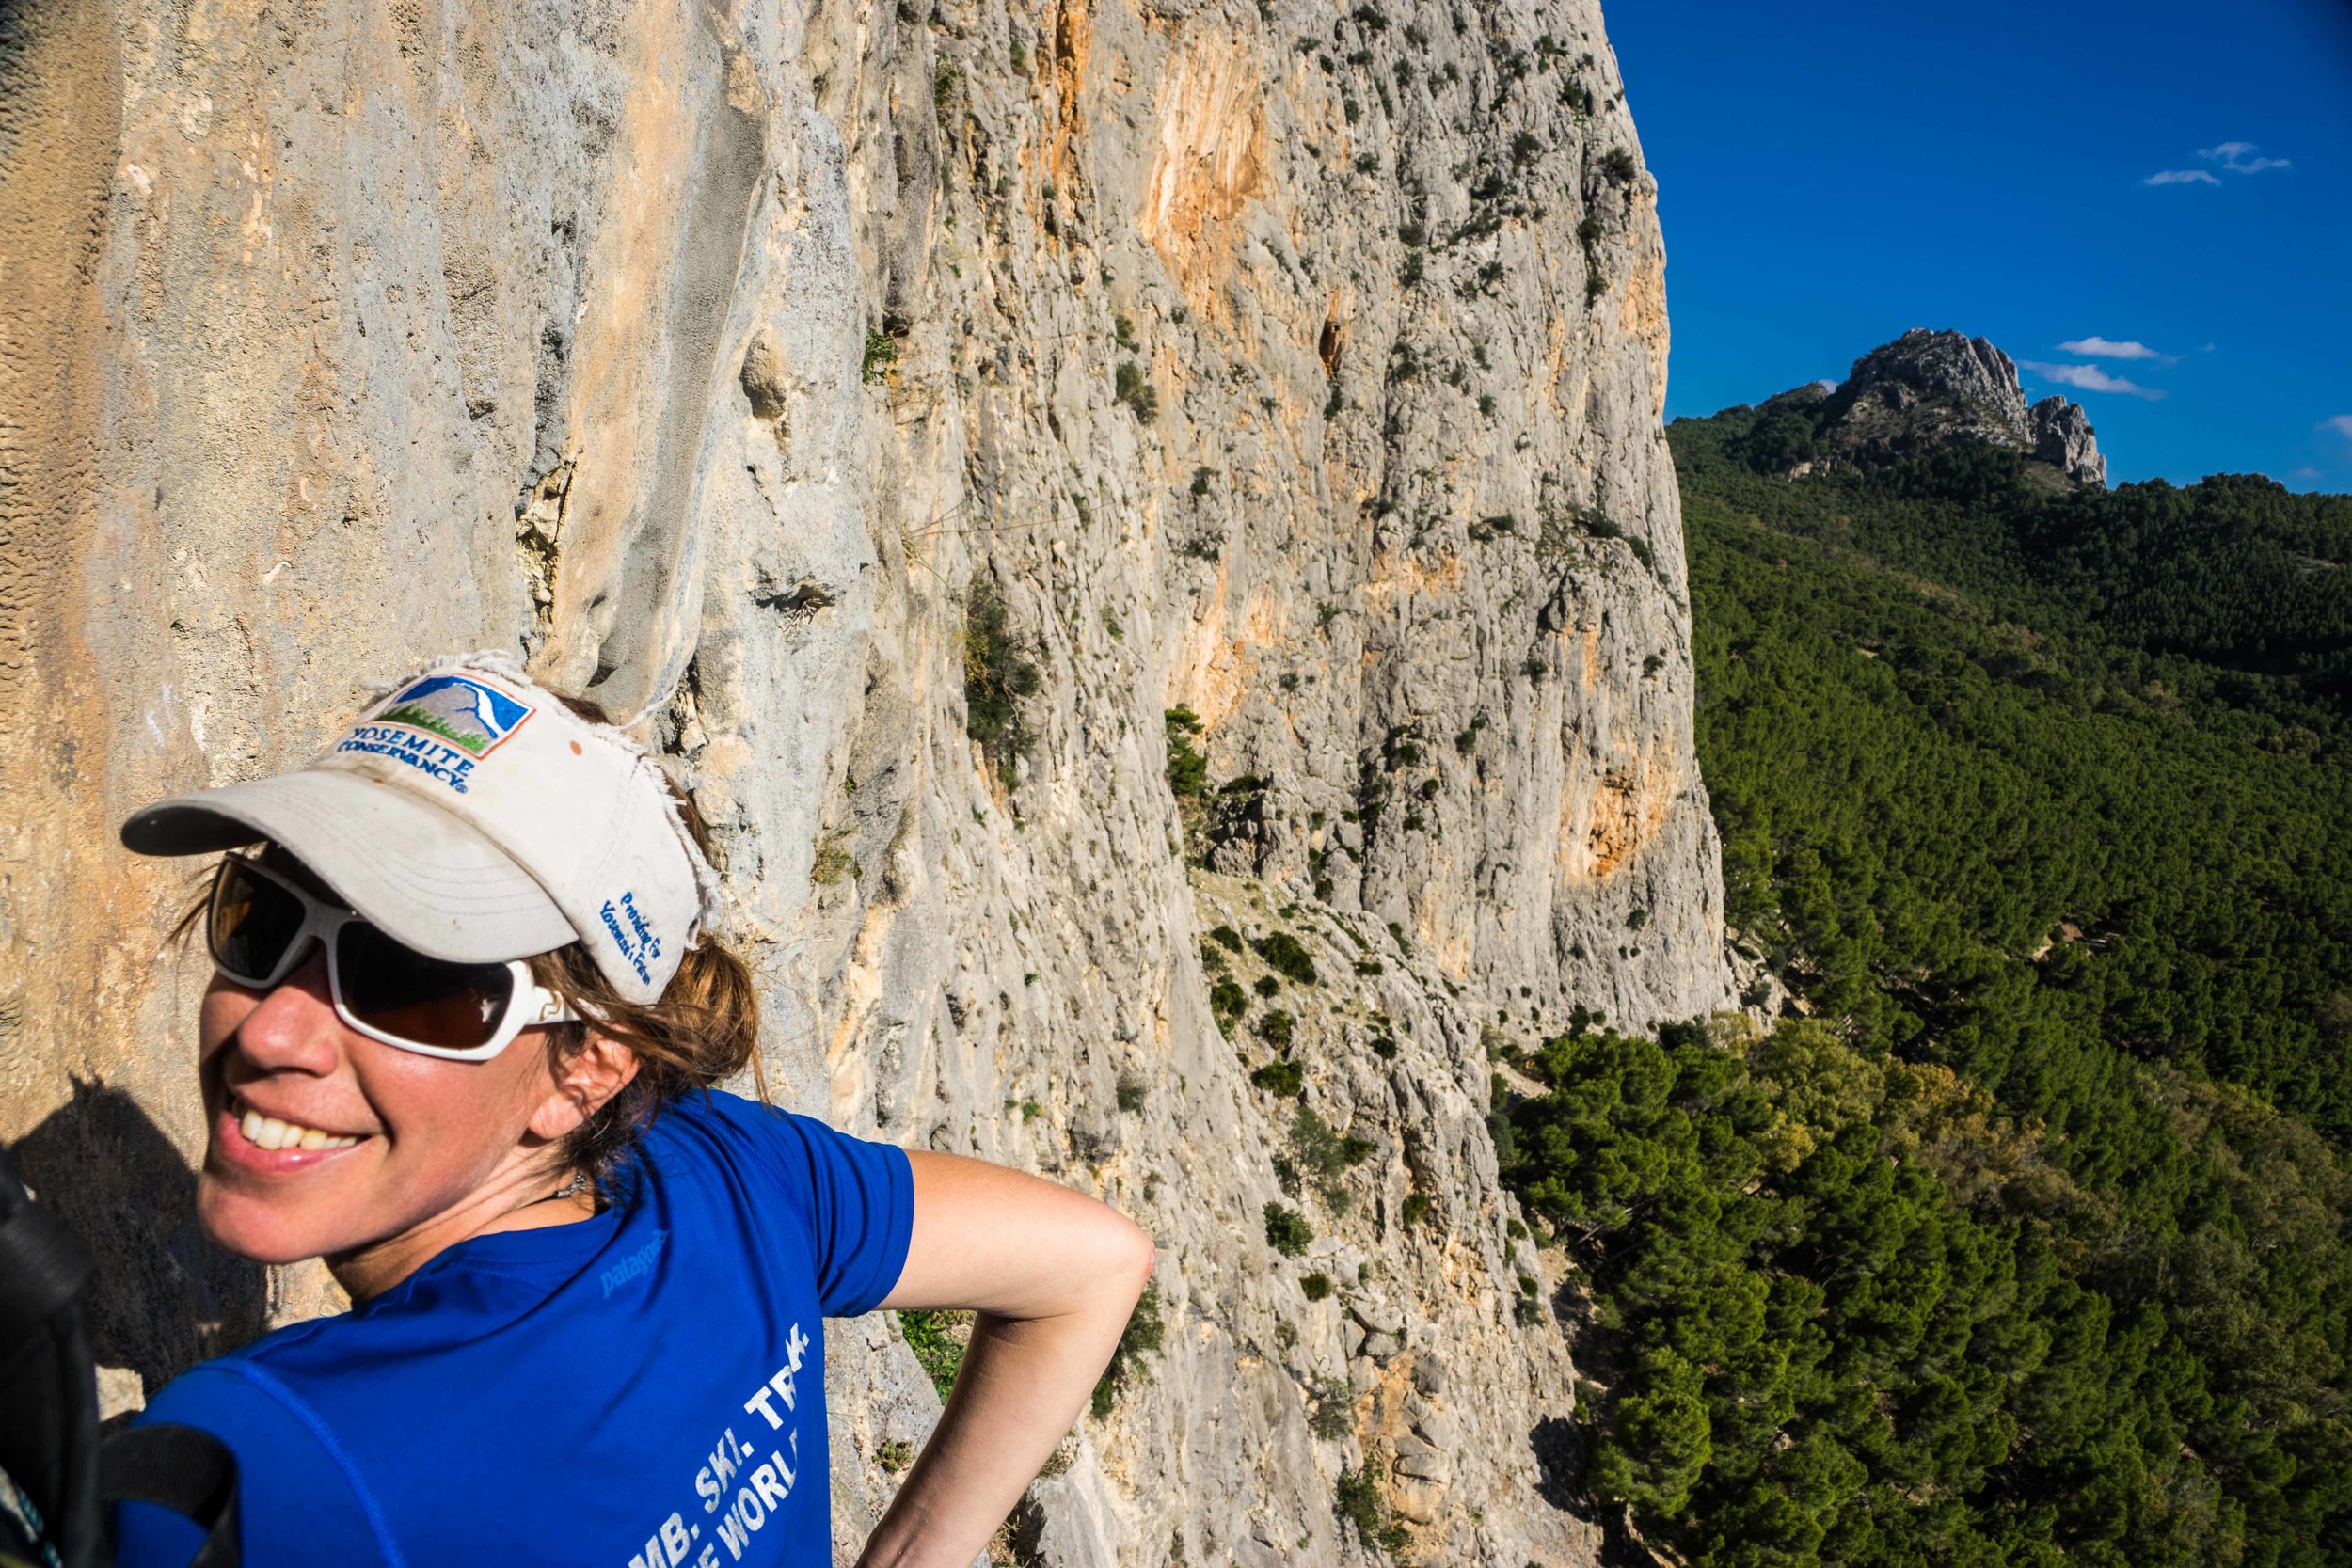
(2021, 1237)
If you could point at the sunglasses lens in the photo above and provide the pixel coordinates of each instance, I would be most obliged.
(430, 1001)
(249, 924)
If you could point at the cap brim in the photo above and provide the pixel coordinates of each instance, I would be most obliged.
(423, 876)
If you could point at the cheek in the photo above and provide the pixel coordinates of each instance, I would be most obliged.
(441, 1131)
(216, 1021)
(444, 1108)
(446, 1124)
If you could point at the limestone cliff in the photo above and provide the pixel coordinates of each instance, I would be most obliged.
(899, 410)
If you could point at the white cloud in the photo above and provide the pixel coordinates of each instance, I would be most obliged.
(2090, 378)
(2237, 158)
(2306, 472)
(2107, 348)
(2231, 157)
(2341, 424)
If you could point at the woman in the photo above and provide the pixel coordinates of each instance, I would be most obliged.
(459, 1044)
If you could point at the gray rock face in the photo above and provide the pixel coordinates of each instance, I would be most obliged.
(723, 362)
(2062, 438)
(1928, 390)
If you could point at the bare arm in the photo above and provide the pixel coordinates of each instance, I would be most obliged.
(1054, 1275)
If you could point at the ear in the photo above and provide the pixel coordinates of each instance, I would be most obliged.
(588, 1078)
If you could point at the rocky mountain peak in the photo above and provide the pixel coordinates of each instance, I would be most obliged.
(1928, 390)
(1941, 378)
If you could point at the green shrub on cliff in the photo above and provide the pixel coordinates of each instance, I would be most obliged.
(997, 676)
(1286, 1230)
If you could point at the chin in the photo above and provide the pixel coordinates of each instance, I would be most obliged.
(263, 1227)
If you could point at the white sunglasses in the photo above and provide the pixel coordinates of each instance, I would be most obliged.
(260, 925)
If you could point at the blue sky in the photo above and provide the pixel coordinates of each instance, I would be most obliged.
(1833, 172)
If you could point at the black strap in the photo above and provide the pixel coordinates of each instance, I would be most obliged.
(43, 1265)
(181, 1468)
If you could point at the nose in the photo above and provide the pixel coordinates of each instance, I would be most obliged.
(294, 1027)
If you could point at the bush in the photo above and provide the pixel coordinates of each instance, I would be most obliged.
(1187, 768)
(1135, 390)
(1286, 1230)
(1620, 165)
(1226, 936)
(1320, 1146)
(1281, 1078)
(882, 354)
(1286, 954)
(1274, 1028)
(996, 675)
(937, 1338)
(1333, 1414)
(832, 862)
(1130, 1093)
(1144, 1333)
(1357, 1499)
(1316, 1286)
(1227, 1001)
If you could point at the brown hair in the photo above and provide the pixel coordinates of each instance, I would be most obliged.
(703, 1028)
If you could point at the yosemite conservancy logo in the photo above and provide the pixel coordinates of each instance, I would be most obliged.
(441, 726)
(474, 718)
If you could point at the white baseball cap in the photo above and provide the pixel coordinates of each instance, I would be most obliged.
(473, 816)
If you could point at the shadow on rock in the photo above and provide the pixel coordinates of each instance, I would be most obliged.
(164, 1297)
(1559, 1446)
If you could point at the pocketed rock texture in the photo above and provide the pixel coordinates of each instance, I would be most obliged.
(1927, 389)
(895, 413)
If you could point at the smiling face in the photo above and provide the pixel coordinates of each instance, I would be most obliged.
(327, 1143)
(378, 1143)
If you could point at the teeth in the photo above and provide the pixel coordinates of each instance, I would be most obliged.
(269, 1132)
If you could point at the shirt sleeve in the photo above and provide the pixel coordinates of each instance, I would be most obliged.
(859, 1196)
(295, 1504)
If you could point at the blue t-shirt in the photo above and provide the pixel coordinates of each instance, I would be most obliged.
(641, 1390)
